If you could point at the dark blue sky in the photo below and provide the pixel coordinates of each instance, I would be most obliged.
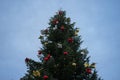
(22, 20)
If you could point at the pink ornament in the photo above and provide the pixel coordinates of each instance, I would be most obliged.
(65, 53)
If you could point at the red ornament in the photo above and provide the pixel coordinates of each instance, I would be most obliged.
(55, 21)
(27, 59)
(70, 40)
(88, 70)
(62, 28)
(65, 53)
(46, 58)
(39, 52)
(45, 77)
(60, 12)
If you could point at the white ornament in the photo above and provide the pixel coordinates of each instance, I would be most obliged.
(49, 41)
(82, 52)
(59, 45)
(55, 27)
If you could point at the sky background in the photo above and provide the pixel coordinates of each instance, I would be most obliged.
(22, 20)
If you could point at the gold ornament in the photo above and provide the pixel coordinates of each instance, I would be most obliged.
(76, 33)
(86, 64)
(36, 73)
(77, 30)
(45, 43)
(74, 64)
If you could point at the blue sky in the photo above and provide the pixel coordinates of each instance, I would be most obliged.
(22, 20)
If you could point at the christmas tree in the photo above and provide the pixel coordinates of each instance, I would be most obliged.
(61, 57)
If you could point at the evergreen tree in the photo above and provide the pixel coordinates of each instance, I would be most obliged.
(61, 57)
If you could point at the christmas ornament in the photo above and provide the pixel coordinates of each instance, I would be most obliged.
(27, 60)
(45, 77)
(46, 58)
(55, 27)
(88, 70)
(59, 45)
(60, 12)
(74, 64)
(45, 43)
(77, 30)
(82, 53)
(39, 52)
(65, 53)
(49, 41)
(70, 40)
(55, 21)
(93, 65)
(49, 56)
(76, 34)
(86, 64)
(62, 28)
(36, 73)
